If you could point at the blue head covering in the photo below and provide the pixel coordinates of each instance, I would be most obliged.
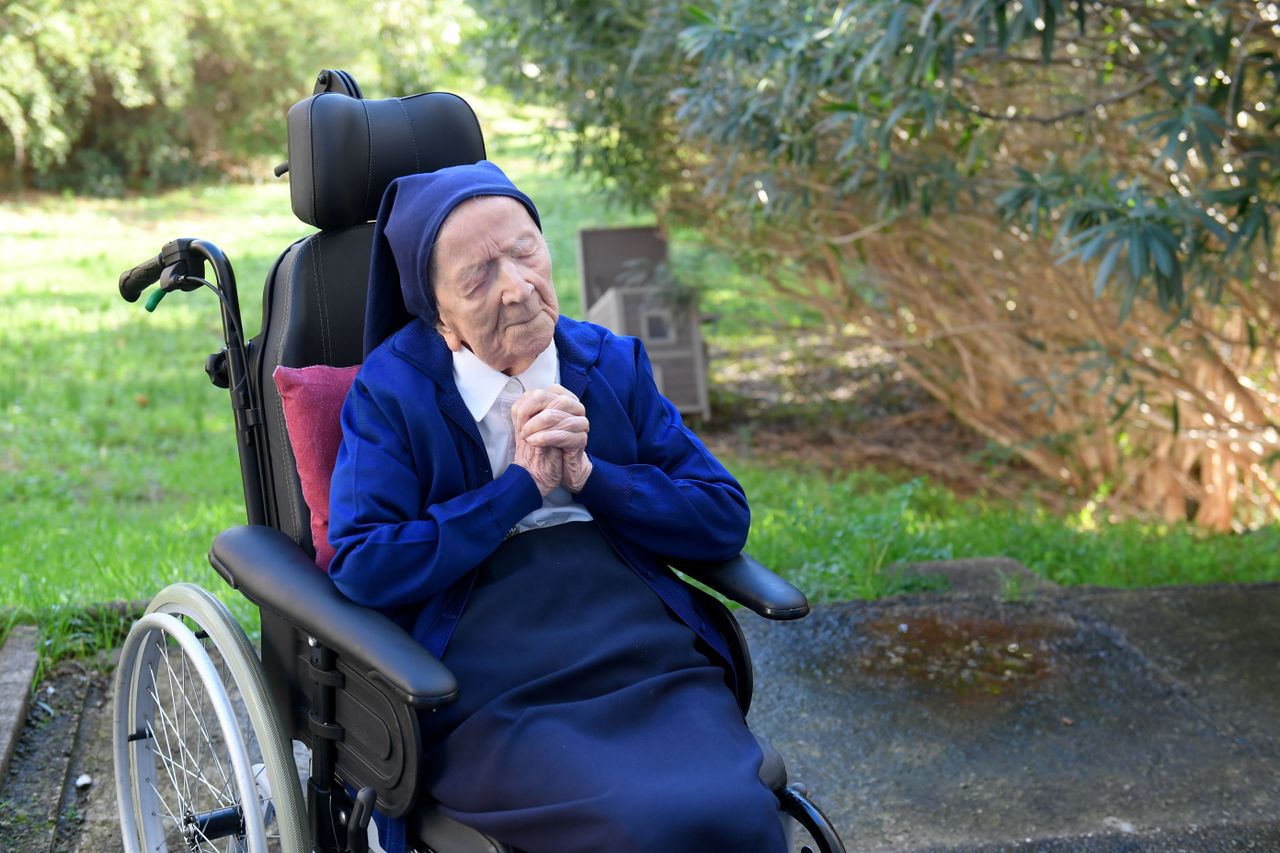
(413, 209)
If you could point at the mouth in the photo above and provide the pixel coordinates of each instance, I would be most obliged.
(524, 322)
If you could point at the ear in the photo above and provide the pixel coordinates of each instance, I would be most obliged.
(451, 338)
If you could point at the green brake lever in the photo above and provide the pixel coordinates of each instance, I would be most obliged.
(155, 298)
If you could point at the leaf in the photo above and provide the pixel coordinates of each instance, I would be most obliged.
(1104, 270)
(1160, 251)
(699, 14)
(894, 117)
(1137, 253)
(1050, 18)
(927, 17)
(1126, 301)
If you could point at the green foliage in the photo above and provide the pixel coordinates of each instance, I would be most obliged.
(1142, 135)
(840, 538)
(104, 94)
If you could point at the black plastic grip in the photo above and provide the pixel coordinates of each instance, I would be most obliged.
(138, 279)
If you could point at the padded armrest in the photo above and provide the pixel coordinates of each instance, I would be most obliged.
(750, 584)
(273, 572)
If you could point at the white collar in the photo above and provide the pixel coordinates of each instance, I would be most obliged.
(479, 384)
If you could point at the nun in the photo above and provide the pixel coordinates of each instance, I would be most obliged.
(511, 488)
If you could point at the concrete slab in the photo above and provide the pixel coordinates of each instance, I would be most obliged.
(984, 577)
(900, 718)
(1261, 837)
(18, 660)
(1218, 643)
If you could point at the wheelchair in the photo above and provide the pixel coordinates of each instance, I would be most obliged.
(207, 732)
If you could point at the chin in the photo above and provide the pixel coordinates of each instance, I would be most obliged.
(539, 332)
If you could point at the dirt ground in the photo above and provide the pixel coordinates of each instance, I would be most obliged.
(41, 806)
(841, 403)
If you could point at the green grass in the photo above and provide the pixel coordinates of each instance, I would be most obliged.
(841, 538)
(117, 459)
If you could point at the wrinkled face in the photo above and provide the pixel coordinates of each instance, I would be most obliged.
(492, 283)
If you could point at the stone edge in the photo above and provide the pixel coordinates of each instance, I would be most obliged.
(18, 661)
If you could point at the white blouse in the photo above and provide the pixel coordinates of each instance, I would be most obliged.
(489, 395)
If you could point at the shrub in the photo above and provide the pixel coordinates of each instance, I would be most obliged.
(1060, 215)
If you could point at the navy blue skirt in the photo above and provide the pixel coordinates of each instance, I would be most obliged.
(589, 717)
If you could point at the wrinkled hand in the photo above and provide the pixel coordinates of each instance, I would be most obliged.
(555, 419)
(544, 464)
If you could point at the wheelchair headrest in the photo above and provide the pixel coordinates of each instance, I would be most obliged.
(343, 151)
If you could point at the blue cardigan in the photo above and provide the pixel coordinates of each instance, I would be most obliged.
(414, 508)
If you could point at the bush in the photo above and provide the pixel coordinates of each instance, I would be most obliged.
(1060, 216)
(100, 95)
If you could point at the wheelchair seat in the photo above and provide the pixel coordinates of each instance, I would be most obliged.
(347, 681)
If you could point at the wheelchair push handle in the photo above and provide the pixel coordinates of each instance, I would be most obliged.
(138, 279)
(179, 266)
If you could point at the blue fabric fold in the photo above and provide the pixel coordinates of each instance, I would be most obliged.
(413, 210)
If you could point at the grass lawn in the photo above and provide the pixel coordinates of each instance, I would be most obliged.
(117, 461)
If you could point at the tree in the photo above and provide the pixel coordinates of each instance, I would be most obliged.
(102, 94)
(1060, 214)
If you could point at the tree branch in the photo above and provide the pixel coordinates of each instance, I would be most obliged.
(1071, 113)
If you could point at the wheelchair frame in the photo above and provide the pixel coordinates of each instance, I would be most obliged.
(306, 672)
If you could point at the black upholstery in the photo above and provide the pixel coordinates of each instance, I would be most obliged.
(745, 581)
(365, 638)
(344, 151)
(313, 313)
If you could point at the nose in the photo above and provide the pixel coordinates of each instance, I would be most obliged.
(515, 288)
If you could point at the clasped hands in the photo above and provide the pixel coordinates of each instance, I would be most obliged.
(551, 428)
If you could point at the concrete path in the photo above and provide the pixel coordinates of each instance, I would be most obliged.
(1067, 720)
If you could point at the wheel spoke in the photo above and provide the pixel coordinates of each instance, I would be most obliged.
(184, 754)
(184, 794)
(164, 803)
(188, 776)
(213, 750)
(182, 713)
(151, 728)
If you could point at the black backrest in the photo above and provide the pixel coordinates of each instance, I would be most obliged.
(343, 152)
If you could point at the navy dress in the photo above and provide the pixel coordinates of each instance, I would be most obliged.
(589, 717)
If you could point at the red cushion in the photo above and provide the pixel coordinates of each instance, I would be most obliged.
(312, 398)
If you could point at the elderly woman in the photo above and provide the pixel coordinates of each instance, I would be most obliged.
(511, 486)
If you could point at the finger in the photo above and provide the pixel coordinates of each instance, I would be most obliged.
(560, 439)
(566, 400)
(552, 418)
(557, 388)
(571, 425)
(566, 423)
(529, 404)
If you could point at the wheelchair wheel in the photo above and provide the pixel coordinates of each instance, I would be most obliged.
(201, 760)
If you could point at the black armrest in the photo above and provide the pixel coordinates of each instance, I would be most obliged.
(273, 572)
(750, 584)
